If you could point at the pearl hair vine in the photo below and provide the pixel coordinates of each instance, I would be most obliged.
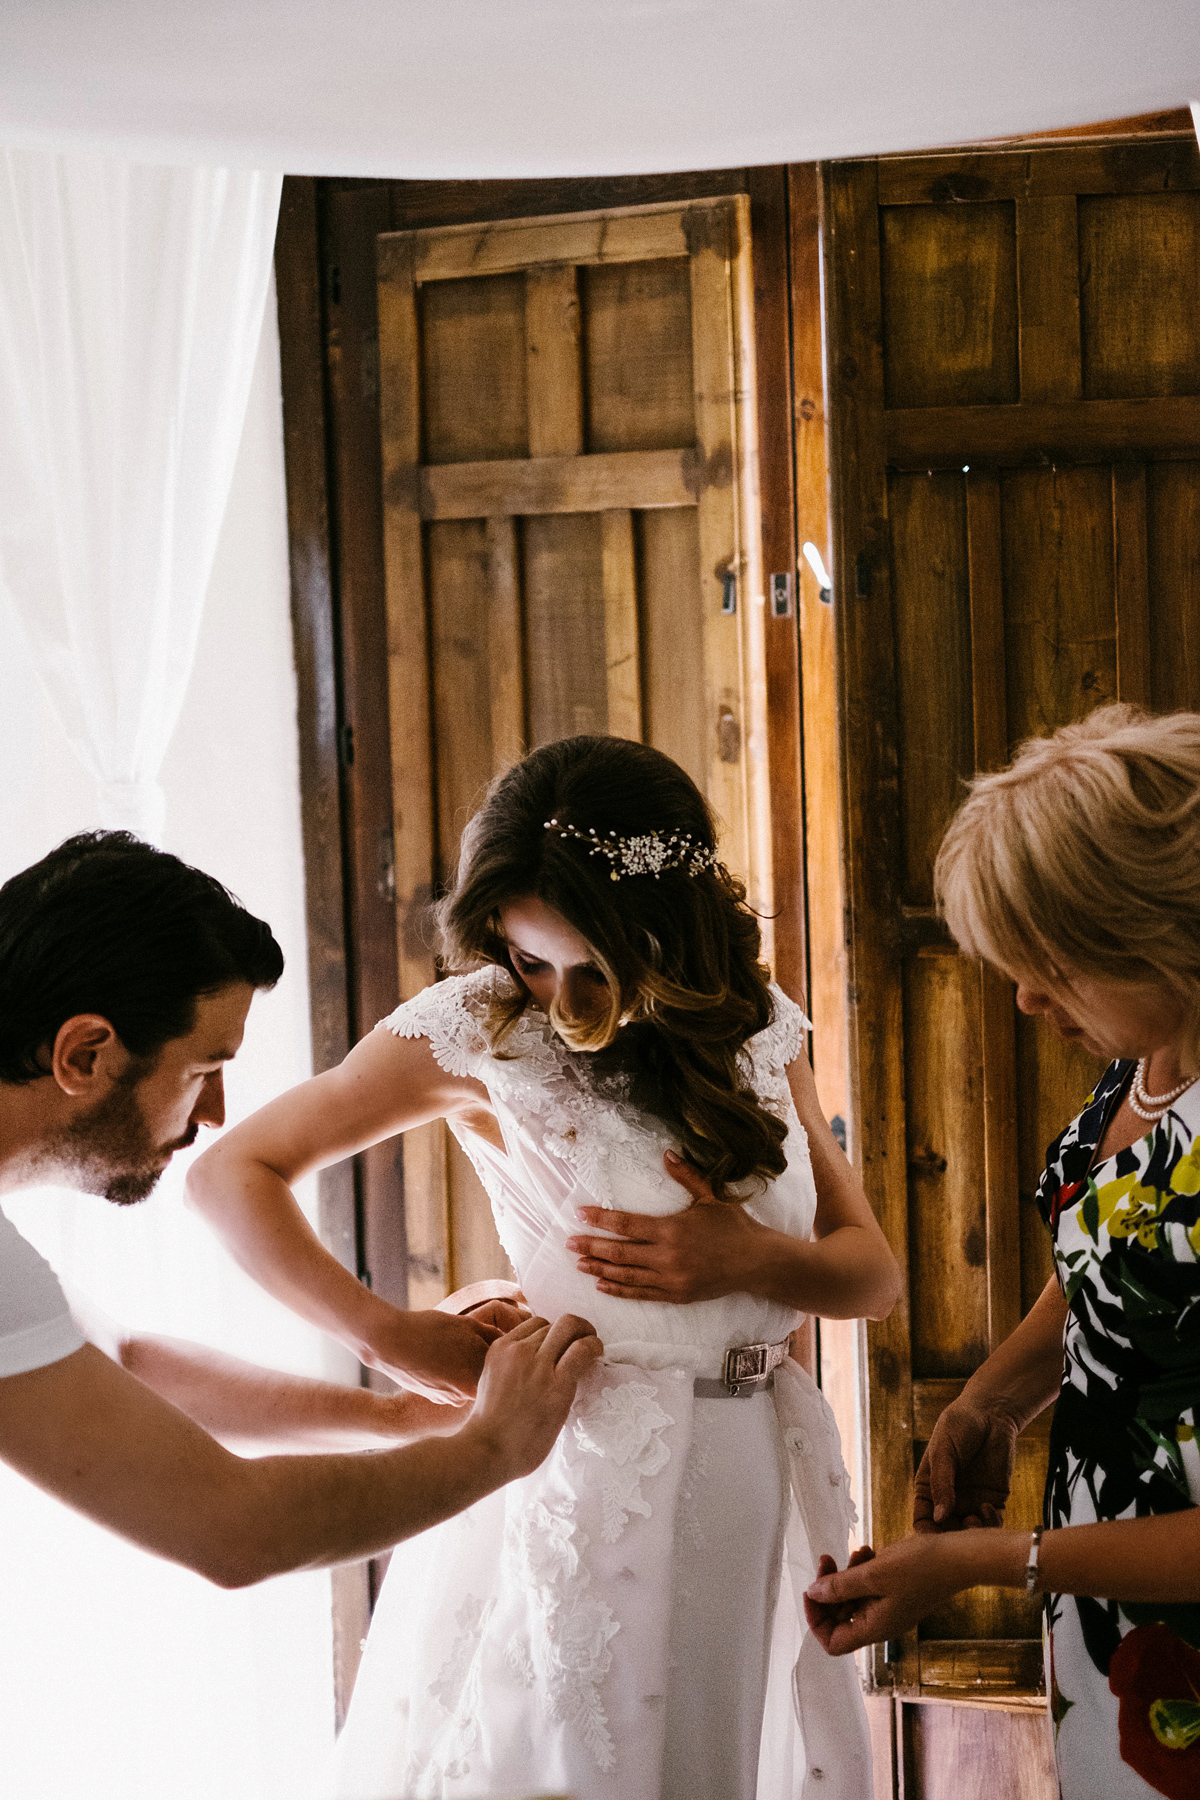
(649, 853)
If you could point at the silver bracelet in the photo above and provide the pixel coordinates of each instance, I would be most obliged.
(1031, 1566)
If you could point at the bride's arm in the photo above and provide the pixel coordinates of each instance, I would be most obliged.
(242, 1187)
(713, 1248)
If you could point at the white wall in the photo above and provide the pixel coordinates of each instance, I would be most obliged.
(123, 1678)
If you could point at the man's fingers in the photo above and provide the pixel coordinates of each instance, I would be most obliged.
(579, 1357)
(532, 1327)
(564, 1332)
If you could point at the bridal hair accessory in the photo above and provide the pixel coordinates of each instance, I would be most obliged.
(649, 854)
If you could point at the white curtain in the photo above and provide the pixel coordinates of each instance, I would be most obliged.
(122, 1677)
(454, 89)
(131, 305)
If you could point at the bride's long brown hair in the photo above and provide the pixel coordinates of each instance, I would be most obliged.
(680, 953)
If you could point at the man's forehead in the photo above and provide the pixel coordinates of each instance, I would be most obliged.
(216, 1035)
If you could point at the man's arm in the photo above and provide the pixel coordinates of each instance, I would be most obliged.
(87, 1432)
(252, 1409)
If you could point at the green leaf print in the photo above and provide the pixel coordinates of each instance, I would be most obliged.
(1089, 1213)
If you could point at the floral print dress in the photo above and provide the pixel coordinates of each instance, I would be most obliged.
(1124, 1677)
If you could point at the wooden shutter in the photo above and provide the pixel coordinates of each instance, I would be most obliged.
(1014, 352)
(572, 543)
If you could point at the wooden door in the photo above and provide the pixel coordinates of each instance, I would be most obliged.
(1014, 354)
(572, 544)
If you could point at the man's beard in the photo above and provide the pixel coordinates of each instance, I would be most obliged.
(110, 1151)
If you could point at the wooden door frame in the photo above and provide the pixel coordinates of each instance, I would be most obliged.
(329, 364)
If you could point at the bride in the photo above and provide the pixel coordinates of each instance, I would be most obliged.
(608, 1626)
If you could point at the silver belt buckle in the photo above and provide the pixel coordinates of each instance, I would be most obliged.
(749, 1363)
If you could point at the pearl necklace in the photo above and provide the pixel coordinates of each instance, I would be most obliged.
(1153, 1106)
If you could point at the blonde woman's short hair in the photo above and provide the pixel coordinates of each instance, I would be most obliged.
(1084, 855)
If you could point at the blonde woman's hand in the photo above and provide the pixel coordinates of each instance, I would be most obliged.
(966, 1471)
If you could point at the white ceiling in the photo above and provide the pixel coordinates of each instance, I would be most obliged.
(463, 88)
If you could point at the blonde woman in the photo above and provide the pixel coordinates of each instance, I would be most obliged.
(1077, 873)
(609, 1626)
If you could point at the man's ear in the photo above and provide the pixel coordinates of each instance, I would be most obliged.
(85, 1048)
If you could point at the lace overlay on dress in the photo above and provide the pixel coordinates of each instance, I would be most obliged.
(608, 1141)
(529, 1639)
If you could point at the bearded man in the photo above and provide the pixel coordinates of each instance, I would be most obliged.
(125, 981)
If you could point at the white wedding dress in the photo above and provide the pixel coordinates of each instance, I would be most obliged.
(607, 1627)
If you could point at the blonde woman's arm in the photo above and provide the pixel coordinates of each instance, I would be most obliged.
(242, 1187)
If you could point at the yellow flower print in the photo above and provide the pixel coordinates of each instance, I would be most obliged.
(1185, 1176)
(1128, 1209)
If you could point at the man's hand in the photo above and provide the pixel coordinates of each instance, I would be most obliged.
(435, 1354)
(528, 1384)
(708, 1250)
(966, 1471)
(879, 1596)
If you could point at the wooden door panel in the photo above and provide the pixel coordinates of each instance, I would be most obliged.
(947, 1219)
(1059, 615)
(566, 668)
(1138, 257)
(933, 663)
(637, 333)
(667, 547)
(1016, 495)
(949, 1752)
(474, 404)
(1173, 555)
(570, 500)
(950, 304)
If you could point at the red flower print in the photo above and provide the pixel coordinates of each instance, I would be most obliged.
(1063, 1198)
(1156, 1678)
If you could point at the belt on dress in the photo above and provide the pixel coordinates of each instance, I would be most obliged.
(749, 1369)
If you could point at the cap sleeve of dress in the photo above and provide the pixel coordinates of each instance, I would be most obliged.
(783, 1040)
(451, 1015)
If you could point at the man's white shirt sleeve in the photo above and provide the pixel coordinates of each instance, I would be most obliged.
(36, 1326)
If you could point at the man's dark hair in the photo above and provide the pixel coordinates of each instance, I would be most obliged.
(106, 924)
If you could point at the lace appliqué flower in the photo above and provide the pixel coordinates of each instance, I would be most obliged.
(624, 1428)
(569, 1653)
(456, 1687)
(518, 1660)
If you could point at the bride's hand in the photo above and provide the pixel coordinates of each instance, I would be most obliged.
(708, 1250)
(498, 1303)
